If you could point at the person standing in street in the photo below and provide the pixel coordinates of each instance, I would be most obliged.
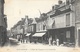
(50, 40)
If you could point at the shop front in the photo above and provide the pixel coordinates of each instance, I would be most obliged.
(28, 37)
(39, 37)
(64, 35)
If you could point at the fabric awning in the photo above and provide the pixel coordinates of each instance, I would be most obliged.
(28, 34)
(38, 34)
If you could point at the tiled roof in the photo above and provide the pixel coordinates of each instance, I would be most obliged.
(58, 12)
(49, 12)
(30, 20)
(42, 17)
(37, 19)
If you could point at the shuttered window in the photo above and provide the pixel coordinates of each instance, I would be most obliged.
(68, 19)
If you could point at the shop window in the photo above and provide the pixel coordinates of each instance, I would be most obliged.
(68, 34)
(68, 19)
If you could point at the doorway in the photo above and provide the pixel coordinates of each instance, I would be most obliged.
(79, 37)
(61, 38)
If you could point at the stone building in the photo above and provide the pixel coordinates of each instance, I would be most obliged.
(76, 9)
(75, 6)
(18, 29)
(3, 24)
(31, 29)
(21, 29)
(40, 34)
(61, 23)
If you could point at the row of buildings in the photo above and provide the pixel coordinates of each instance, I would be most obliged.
(62, 23)
(3, 24)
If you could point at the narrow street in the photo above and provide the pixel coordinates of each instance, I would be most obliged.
(13, 42)
(16, 46)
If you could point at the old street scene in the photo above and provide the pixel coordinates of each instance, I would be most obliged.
(40, 25)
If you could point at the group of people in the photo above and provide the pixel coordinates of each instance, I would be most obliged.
(54, 42)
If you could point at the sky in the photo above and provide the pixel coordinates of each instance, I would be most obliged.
(17, 9)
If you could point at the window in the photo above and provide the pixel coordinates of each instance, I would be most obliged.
(44, 27)
(68, 19)
(38, 27)
(53, 25)
(32, 28)
(68, 34)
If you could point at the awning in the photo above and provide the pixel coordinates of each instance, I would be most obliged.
(28, 34)
(38, 34)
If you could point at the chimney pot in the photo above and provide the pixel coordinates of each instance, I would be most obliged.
(60, 2)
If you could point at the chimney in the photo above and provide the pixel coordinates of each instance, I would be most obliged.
(52, 7)
(60, 2)
(55, 7)
(26, 19)
(26, 16)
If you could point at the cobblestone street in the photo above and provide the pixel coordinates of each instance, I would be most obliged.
(16, 46)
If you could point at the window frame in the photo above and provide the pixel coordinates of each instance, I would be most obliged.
(68, 19)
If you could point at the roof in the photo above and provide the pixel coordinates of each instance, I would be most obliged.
(37, 19)
(22, 22)
(62, 5)
(19, 22)
(49, 12)
(58, 12)
(34, 21)
(43, 17)
(30, 20)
